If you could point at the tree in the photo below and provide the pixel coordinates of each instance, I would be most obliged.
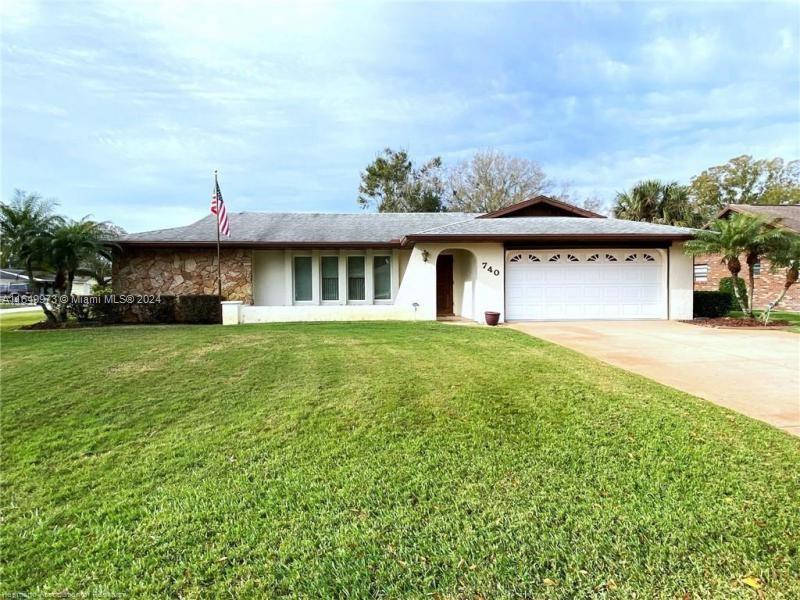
(785, 255)
(656, 202)
(594, 204)
(392, 183)
(492, 180)
(641, 203)
(26, 224)
(730, 238)
(98, 266)
(763, 240)
(71, 245)
(744, 180)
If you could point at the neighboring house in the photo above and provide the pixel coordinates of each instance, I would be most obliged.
(15, 281)
(539, 259)
(82, 286)
(709, 270)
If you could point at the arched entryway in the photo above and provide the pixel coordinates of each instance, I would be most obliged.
(456, 272)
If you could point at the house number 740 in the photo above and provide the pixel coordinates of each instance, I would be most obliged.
(491, 269)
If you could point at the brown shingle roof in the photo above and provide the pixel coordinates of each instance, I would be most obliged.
(787, 216)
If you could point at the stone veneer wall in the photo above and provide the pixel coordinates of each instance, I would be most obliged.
(179, 272)
(768, 285)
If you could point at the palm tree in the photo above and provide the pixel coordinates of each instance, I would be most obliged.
(98, 266)
(656, 202)
(762, 241)
(71, 246)
(641, 203)
(784, 255)
(729, 238)
(26, 223)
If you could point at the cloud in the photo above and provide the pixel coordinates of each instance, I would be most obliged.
(673, 58)
(18, 15)
(122, 108)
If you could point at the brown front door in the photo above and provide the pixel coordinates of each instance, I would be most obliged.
(444, 285)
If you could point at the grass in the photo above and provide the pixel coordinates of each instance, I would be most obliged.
(792, 317)
(11, 321)
(376, 460)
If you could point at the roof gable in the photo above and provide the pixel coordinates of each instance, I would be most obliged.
(782, 215)
(541, 206)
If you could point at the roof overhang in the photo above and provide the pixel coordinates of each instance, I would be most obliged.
(626, 237)
(256, 245)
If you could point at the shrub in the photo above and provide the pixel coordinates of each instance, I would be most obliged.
(79, 310)
(107, 313)
(101, 290)
(726, 285)
(199, 308)
(712, 304)
(162, 311)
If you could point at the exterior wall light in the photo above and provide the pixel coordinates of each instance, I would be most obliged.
(425, 255)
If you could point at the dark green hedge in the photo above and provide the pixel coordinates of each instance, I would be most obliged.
(726, 285)
(712, 304)
(200, 308)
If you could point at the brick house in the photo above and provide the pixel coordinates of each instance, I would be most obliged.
(708, 270)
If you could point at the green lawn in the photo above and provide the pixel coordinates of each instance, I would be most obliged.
(792, 317)
(376, 460)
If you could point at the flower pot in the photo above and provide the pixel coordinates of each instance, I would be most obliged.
(491, 317)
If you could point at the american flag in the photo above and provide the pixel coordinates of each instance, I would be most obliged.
(218, 204)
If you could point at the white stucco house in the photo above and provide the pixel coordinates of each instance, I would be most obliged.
(539, 259)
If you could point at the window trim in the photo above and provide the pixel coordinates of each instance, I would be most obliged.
(363, 256)
(390, 299)
(321, 299)
(295, 301)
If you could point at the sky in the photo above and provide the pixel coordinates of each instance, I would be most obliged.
(123, 109)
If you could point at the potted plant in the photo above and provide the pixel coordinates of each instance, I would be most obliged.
(491, 317)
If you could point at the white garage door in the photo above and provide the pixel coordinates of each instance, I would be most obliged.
(585, 284)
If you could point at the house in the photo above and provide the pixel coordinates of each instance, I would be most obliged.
(709, 270)
(539, 259)
(15, 282)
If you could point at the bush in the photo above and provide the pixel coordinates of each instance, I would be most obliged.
(712, 304)
(106, 313)
(79, 310)
(162, 311)
(199, 308)
(726, 285)
(102, 290)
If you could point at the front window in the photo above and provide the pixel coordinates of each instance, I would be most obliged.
(329, 267)
(355, 278)
(302, 278)
(382, 277)
(701, 273)
(757, 268)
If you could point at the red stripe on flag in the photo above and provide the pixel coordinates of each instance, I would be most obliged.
(218, 208)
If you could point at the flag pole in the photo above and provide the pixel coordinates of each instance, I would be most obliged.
(219, 263)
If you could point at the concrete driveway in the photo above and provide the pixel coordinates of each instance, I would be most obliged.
(756, 373)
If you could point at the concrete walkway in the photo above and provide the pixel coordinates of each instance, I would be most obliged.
(756, 373)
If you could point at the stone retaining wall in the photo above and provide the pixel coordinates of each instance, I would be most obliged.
(179, 272)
